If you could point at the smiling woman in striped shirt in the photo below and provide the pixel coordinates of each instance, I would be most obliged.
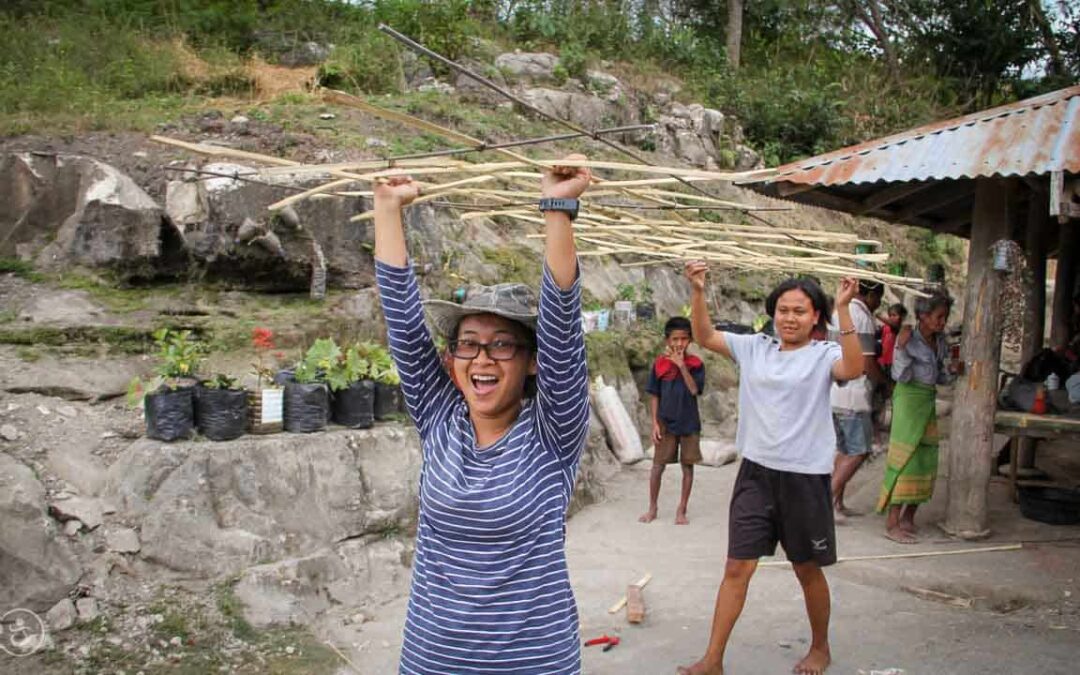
(490, 589)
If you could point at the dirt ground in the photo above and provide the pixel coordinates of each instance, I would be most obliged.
(1001, 612)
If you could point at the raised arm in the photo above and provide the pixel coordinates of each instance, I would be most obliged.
(852, 362)
(562, 378)
(562, 182)
(426, 386)
(704, 333)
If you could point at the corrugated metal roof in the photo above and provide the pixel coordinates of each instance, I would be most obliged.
(1035, 136)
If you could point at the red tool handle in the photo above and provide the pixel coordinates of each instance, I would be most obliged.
(602, 640)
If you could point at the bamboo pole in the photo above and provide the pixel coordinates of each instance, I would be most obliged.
(914, 554)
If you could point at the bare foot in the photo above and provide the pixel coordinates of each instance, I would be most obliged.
(648, 516)
(900, 536)
(910, 528)
(701, 668)
(681, 519)
(814, 663)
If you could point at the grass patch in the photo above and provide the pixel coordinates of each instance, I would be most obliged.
(28, 354)
(20, 268)
(516, 263)
(121, 338)
(233, 611)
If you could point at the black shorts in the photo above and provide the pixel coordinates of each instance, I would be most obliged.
(770, 506)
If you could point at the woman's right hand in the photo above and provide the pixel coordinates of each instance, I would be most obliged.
(696, 270)
(396, 191)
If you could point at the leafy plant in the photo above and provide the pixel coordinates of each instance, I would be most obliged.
(383, 369)
(267, 360)
(178, 354)
(626, 292)
(645, 292)
(318, 361)
(351, 367)
(223, 381)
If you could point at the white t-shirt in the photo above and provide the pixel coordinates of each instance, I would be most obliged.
(856, 395)
(785, 422)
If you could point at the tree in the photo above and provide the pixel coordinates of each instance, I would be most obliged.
(870, 13)
(734, 32)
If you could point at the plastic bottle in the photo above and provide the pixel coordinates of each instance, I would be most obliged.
(1053, 383)
(1039, 407)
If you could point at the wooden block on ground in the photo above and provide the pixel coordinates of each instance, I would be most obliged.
(635, 604)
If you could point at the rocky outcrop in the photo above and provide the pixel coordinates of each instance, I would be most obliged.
(227, 228)
(37, 567)
(214, 509)
(63, 211)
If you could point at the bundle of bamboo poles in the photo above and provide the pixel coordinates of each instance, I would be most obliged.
(634, 213)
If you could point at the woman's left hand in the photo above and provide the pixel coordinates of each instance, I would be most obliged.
(849, 287)
(566, 182)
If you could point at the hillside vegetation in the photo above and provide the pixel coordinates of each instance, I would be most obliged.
(806, 76)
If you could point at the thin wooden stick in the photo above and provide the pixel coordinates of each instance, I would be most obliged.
(344, 658)
(917, 554)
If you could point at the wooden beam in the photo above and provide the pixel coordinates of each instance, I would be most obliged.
(941, 197)
(1068, 260)
(971, 437)
(831, 201)
(1035, 245)
(893, 193)
(786, 189)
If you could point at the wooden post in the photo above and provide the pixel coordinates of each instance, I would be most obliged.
(1035, 245)
(971, 438)
(1065, 282)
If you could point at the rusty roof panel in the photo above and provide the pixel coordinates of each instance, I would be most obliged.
(1035, 136)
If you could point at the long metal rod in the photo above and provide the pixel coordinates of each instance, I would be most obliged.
(421, 49)
(526, 141)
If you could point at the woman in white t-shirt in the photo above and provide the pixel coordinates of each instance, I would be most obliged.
(786, 438)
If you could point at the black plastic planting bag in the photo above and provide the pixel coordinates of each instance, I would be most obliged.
(221, 414)
(170, 414)
(388, 401)
(355, 406)
(307, 407)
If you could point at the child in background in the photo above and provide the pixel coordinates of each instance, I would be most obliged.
(675, 381)
(892, 322)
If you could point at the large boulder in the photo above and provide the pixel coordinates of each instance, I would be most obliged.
(586, 110)
(63, 211)
(213, 509)
(37, 569)
(691, 133)
(227, 228)
(529, 67)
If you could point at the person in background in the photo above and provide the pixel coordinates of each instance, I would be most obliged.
(675, 382)
(919, 365)
(786, 438)
(852, 402)
(891, 324)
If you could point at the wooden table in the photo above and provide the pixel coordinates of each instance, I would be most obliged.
(1021, 424)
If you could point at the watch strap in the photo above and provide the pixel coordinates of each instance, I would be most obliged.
(567, 206)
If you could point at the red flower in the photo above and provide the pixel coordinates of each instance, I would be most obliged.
(262, 338)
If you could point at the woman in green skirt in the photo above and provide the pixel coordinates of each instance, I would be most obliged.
(912, 462)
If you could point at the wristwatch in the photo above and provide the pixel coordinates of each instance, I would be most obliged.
(567, 206)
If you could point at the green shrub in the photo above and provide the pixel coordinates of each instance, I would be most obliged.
(368, 65)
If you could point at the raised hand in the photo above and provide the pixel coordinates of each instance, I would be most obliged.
(696, 271)
(677, 356)
(903, 336)
(566, 182)
(396, 191)
(849, 288)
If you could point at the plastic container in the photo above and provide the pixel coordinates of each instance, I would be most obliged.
(1051, 505)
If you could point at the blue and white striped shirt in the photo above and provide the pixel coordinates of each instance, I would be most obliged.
(490, 588)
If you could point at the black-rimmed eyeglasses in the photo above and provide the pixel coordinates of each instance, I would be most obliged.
(497, 350)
